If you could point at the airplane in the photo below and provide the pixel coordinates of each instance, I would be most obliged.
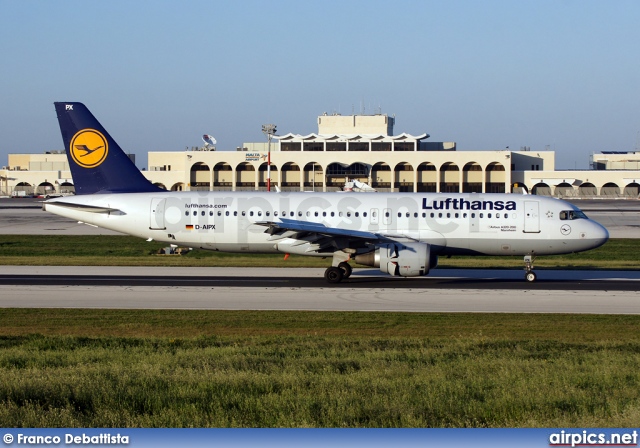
(401, 234)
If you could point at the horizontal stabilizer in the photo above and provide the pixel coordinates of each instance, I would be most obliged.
(82, 207)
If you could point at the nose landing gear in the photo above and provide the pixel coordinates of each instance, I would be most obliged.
(529, 275)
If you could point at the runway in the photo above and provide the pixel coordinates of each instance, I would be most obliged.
(495, 291)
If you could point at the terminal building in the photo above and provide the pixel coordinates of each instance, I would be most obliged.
(346, 148)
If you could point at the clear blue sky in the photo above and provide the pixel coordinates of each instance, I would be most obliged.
(486, 74)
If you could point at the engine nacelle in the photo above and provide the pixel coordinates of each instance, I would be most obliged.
(403, 259)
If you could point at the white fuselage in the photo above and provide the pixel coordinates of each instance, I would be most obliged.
(488, 224)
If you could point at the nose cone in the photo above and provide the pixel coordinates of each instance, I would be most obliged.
(597, 234)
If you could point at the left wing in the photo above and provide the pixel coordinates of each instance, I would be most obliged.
(324, 239)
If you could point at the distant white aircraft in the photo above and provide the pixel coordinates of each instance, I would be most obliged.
(399, 233)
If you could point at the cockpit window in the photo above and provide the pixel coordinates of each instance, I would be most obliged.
(572, 214)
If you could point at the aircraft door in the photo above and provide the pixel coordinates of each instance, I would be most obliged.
(156, 214)
(531, 217)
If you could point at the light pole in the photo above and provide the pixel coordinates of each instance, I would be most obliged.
(269, 130)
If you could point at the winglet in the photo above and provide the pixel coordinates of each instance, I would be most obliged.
(98, 164)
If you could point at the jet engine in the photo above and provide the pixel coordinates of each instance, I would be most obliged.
(403, 259)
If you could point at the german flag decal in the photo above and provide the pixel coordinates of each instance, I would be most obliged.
(188, 227)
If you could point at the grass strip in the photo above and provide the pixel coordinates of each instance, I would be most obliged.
(122, 368)
(115, 250)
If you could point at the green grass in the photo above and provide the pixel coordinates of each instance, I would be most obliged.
(150, 368)
(117, 368)
(85, 250)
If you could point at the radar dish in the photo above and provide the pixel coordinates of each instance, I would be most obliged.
(209, 140)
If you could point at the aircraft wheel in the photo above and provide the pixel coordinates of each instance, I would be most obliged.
(346, 269)
(530, 276)
(333, 275)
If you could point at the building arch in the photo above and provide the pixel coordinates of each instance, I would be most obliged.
(290, 177)
(632, 190)
(403, 174)
(587, 189)
(160, 184)
(179, 186)
(449, 178)
(472, 178)
(495, 178)
(541, 189)
(564, 190)
(610, 190)
(45, 188)
(245, 177)
(427, 178)
(337, 173)
(519, 188)
(200, 177)
(313, 176)
(24, 186)
(381, 176)
(262, 175)
(67, 187)
(222, 176)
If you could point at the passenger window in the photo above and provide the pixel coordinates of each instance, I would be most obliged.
(244, 213)
(464, 215)
(275, 213)
(481, 215)
(266, 213)
(226, 213)
(333, 214)
(386, 214)
(399, 215)
(291, 214)
(195, 213)
(348, 214)
(457, 215)
(364, 214)
(473, 215)
(202, 213)
(235, 213)
(186, 213)
(324, 214)
(250, 213)
(315, 214)
(408, 214)
(488, 215)
(259, 213)
(219, 213)
(299, 213)
(433, 215)
(439, 215)
(340, 214)
(448, 215)
(357, 214)
(308, 214)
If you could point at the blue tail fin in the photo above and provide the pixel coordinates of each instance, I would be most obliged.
(98, 164)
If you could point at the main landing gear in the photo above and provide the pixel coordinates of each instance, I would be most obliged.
(529, 275)
(335, 274)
